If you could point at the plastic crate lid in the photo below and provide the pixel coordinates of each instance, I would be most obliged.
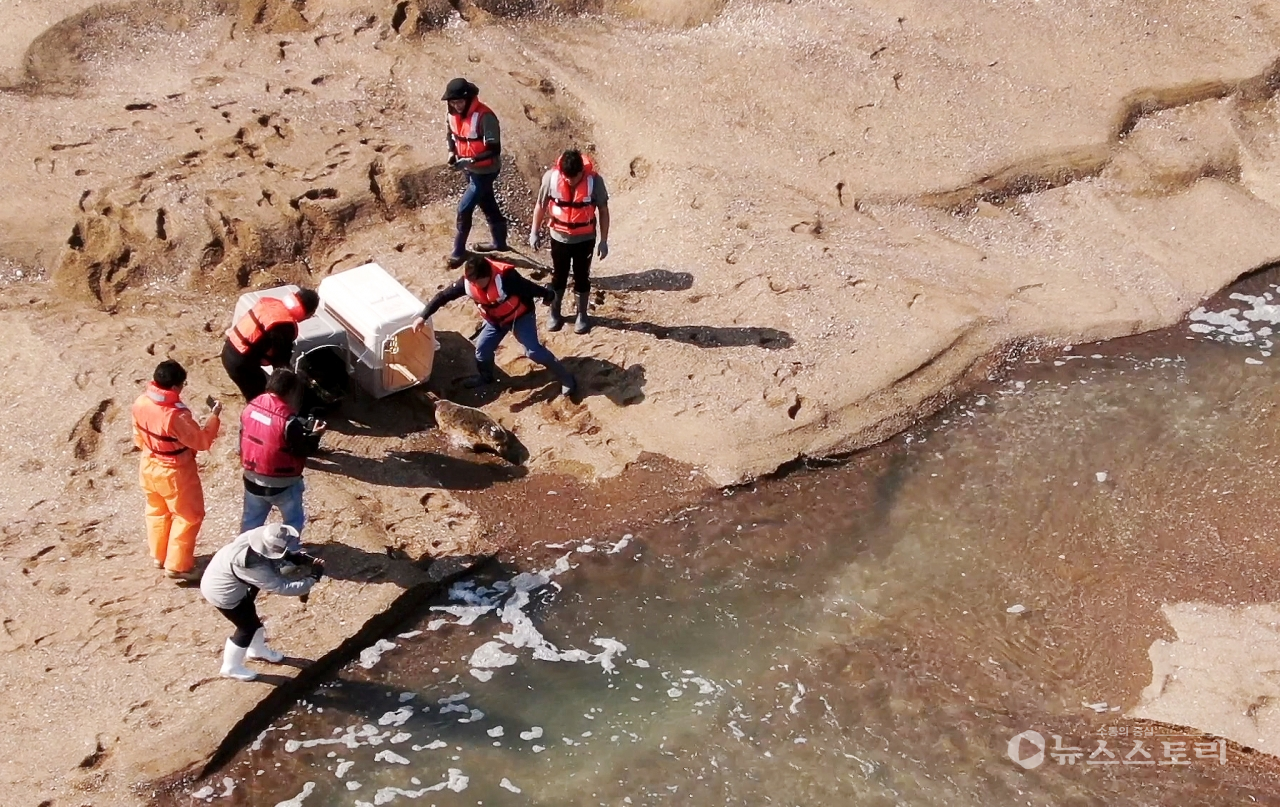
(370, 303)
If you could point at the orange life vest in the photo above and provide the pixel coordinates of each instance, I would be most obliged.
(153, 415)
(572, 208)
(265, 315)
(468, 135)
(496, 306)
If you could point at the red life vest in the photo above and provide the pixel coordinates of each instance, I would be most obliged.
(572, 208)
(262, 445)
(496, 306)
(468, 135)
(153, 415)
(266, 314)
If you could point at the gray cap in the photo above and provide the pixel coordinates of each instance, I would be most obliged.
(273, 540)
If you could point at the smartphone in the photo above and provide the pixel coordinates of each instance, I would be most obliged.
(210, 401)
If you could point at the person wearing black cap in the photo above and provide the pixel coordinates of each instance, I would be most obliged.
(475, 148)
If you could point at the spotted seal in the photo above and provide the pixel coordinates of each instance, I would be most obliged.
(470, 428)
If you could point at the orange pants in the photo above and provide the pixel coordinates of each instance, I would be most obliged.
(175, 511)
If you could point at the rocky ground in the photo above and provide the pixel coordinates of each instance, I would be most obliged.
(829, 218)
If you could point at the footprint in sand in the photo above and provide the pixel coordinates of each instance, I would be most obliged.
(86, 435)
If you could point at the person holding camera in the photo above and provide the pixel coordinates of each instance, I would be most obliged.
(255, 561)
(274, 445)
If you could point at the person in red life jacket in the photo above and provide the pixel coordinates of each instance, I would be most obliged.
(264, 337)
(475, 148)
(169, 437)
(505, 300)
(274, 445)
(574, 202)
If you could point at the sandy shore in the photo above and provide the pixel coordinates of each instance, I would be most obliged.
(829, 219)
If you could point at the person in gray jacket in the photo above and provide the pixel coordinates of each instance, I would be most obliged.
(251, 563)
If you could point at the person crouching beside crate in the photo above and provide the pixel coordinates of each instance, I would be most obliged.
(264, 337)
(505, 300)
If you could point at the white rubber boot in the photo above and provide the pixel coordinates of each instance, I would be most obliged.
(258, 648)
(233, 663)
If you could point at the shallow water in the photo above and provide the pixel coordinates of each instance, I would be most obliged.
(873, 633)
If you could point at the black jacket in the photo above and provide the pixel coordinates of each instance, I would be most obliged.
(275, 347)
(516, 284)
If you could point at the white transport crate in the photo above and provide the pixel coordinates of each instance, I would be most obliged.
(385, 354)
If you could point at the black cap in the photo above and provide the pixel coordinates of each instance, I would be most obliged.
(460, 89)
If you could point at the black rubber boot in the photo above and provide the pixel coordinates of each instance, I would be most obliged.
(555, 320)
(583, 323)
(569, 386)
(483, 376)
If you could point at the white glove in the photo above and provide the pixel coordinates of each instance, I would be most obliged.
(535, 240)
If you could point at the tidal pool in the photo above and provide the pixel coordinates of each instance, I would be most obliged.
(901, 629)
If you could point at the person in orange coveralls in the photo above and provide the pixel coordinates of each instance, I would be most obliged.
(169, 436)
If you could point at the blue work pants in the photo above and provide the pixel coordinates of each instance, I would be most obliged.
(479, 193)
(526, 331)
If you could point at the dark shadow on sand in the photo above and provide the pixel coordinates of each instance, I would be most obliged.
(648, 280)
(397, 415)
(343, 562)
(455, 361)
(705, 336)
(419, 469)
